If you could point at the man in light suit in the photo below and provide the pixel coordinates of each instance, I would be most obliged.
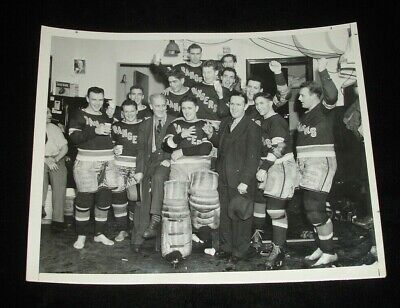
(154, 163)
(239, 151)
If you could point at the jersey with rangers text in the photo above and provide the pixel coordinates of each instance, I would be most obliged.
(82, 133)
(126, 135)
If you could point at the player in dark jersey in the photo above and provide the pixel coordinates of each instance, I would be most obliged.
(136, 94)
(191, 148)
(176, 93)
(94, 168)
(191, 69)
(191, 153)
(277, 173)
(125, 135)
(212, 97)
(229, 61)
(254, 86)
(317, 160)
(228, 79)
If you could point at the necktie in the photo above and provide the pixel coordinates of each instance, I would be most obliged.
(159, 126)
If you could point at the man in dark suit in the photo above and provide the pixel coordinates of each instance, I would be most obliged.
(239, 151)
(154, 163)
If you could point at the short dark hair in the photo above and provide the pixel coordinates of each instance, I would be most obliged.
(190, 99)
(229, 55)
(313, 87)
(194, 46)
(265, 95)
(95, 90)
(240, 95)
(128, 102)
(255, 78)
(136, 86)
(210, 63)
(177, 73)
(229, 69)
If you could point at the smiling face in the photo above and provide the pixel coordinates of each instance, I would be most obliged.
(95, 101)
(228, 62)
(129, 112)
(253, 87)
(263, 105)
(136, 95)
(189, 110)
(209, 74)
(237, 106)
(228, 79)
(176, 84)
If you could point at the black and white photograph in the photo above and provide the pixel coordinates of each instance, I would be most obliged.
(202, 158)
(79, 66)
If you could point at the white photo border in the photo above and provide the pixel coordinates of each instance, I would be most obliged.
(376, 270)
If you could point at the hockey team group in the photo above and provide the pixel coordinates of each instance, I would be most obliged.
(205, 160)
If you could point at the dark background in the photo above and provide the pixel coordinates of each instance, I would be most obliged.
(20, 24)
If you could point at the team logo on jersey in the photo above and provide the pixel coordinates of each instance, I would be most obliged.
(125, 134)
(205, 99)
(191, 74)
(193, 140)
(307, 130)
(90, 122)
(173, 106)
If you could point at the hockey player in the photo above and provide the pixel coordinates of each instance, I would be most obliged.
(191, 69)
(136, 94)
(177, 92)
(254, 86)
(282, 95)
(277, 172)
(125, 135)
(317, 160)
(212, 97)
(94, 168)
(228, 78)
(229, 61)
(191, 148)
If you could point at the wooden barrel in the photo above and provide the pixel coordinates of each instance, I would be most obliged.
(175, 190)
(176, 235)
(204, 180)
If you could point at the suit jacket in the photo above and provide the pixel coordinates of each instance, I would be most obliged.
(145, 141)
(239, 153)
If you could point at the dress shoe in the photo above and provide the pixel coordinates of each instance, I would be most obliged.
(223, 255)
(58, 227)
(152, 229)
(234, 259)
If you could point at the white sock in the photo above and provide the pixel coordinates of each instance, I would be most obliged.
(103, 239)
(80, 242)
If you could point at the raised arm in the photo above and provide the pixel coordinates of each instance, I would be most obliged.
(284, 92)
(329, 88)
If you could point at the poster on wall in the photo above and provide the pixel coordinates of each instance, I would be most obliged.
(280, 205)
(79, 66)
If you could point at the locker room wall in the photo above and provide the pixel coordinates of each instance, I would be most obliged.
(102, 58)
